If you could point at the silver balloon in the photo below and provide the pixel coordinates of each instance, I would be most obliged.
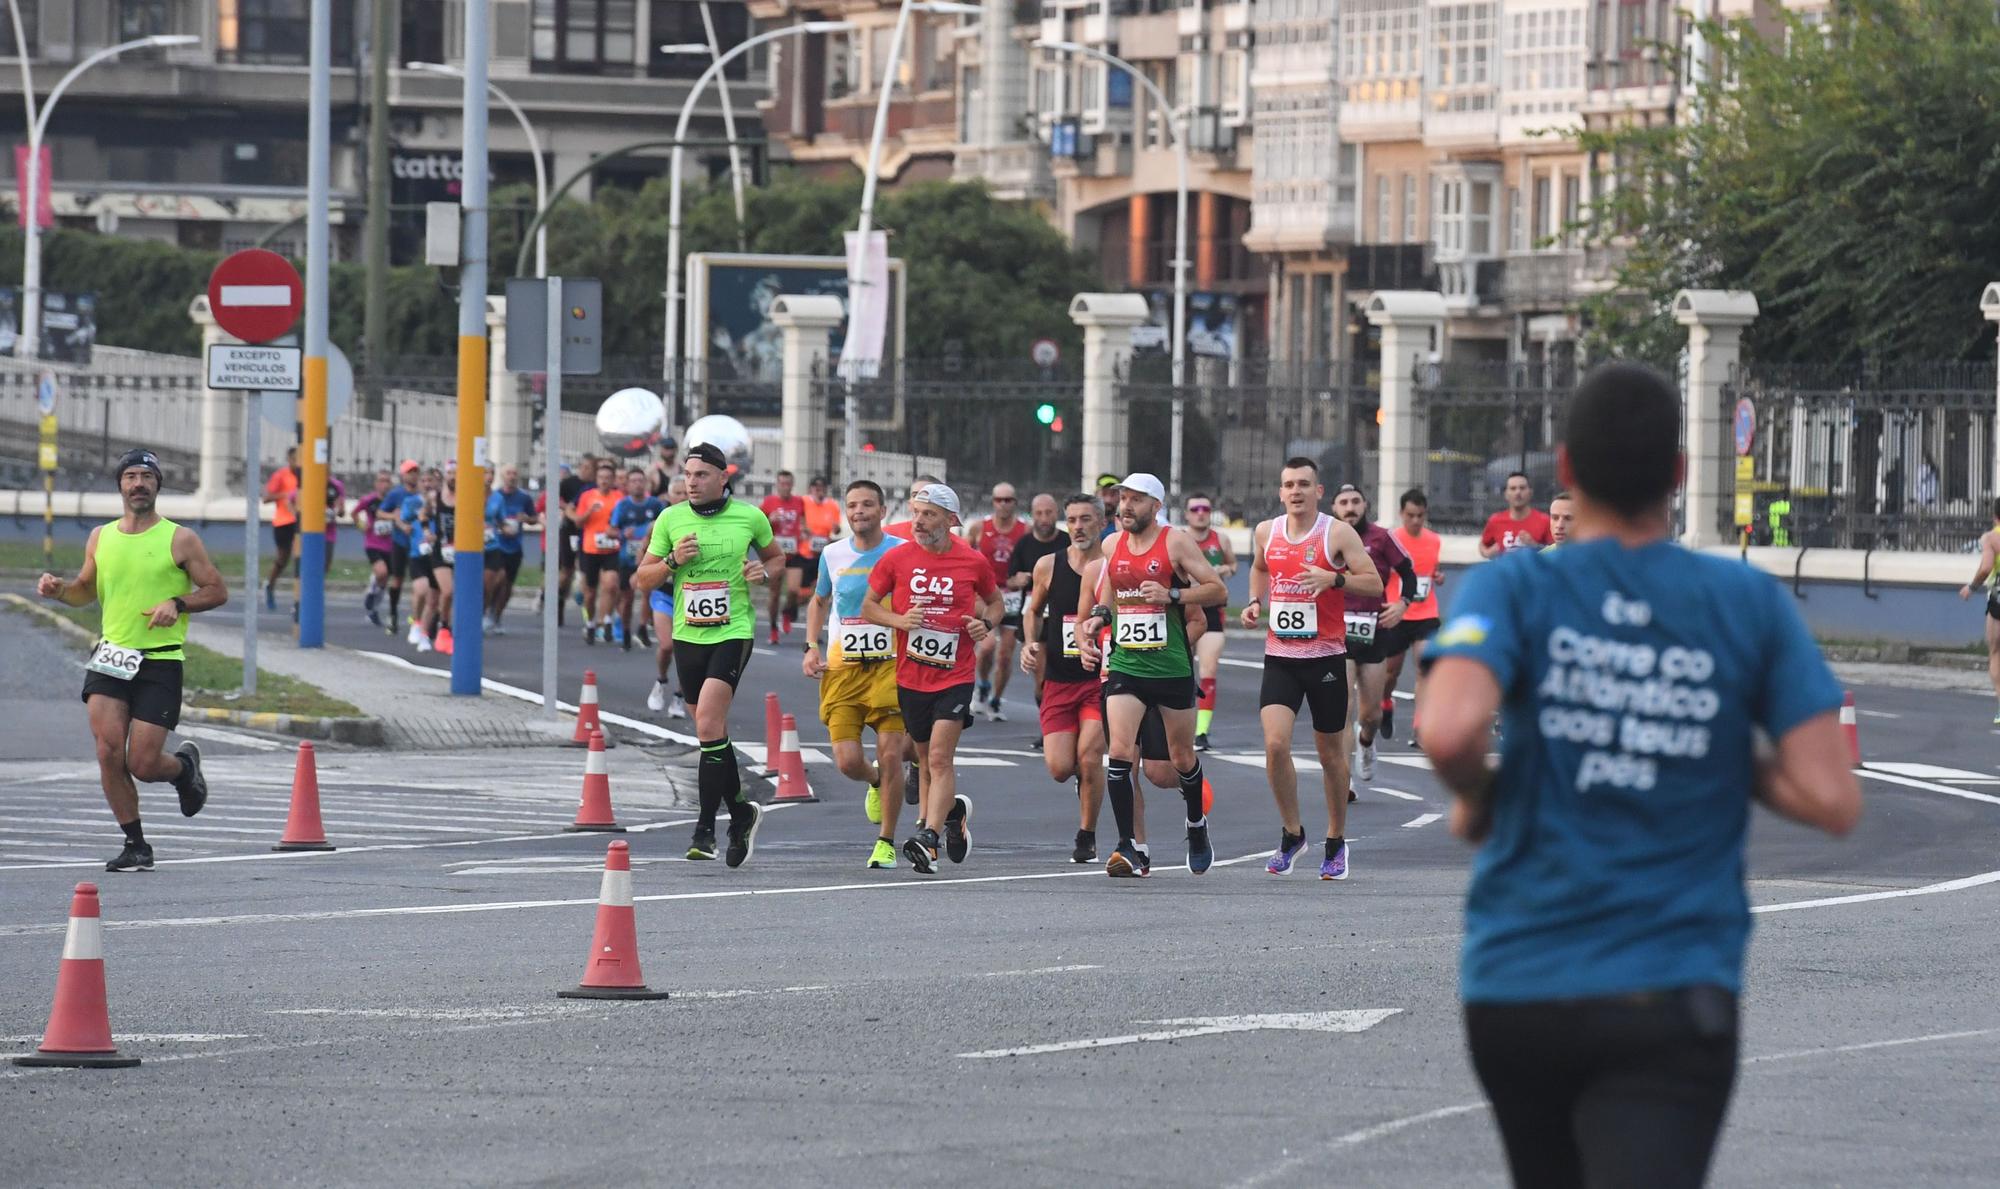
(725, 434)
(630, 422)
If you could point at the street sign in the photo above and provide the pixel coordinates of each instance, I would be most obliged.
(1045, 353)
(46, 392)
(1745, 425)
(245, 367)
(256, 295)
(528, 325)
(48, 443)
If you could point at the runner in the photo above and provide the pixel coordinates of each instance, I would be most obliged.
(373, 517)
(147, 574)
(1372, 622)
(1988, 575)
(1562, 513)
(660, 604)
(399, 537)
(1517, 526)
(569, 541)
(1045, 538)
(995, 536)
(913, 769)
(632, 521)
(857, 674)
(508, 510)
(1148, 568)
(1420, 622)
(1072, 706)
(417, 517)
(1208, 650)
(1107, 493)
(1302, 564)
(282, 492)
(597, 561)
(787, 514)
(665, 469)
(700, 546)
(1606, 921)
(942, 602)
(823, 524)
(906, 528)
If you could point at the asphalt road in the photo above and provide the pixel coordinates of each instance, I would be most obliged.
(388, 1013)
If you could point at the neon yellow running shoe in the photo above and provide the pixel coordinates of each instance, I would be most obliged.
(884, 858)
(873, 805)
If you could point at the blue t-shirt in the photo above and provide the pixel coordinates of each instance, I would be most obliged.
(392, 507)
(633, 521)
(843, 578)
(507, 505)
(1630, 681)
(412, 534)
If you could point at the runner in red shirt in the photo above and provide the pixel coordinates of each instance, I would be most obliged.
(942, 602)
(995, 537)
(1517, 526)
(787, 514)
(906, 528)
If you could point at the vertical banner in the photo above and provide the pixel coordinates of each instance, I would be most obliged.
(867, 310)
(45, 213)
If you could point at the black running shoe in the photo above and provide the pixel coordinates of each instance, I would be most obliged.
(1389, 721)
(645, 635)
(702, 846)
(743, 834)
(957, 828)
(921, 849)
(1145, 861)
(1200, 854)
(1125, 862)
(1351, 798)
(626, 644)
(909, 783)
(136, 856)
(192, 786)
(1086, 847)
(1201, 742)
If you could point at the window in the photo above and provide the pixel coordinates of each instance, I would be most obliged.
(971, 109)
(843, 64)
(1409, 208)
(1381, 208)
(1517, 238)
(586, 36)
(1462, 216)
(1572, 208)
(1479, 225)
(31, 28)
(278, 31)
(678, 22)
(423, 32)
(1461, 68)
(137, 18)
(1543, 210)
(1544, 55)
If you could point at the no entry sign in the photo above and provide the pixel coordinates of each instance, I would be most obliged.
(256, 295)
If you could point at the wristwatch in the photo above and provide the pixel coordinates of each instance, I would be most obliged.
(1174, 596)
(812, 646)
(1339, 580)
(180, 605)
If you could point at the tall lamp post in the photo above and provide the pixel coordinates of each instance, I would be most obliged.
(534, 149)
(701, 50)
(1177, 124)
(31, 252)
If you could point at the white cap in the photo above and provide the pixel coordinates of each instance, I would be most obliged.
(937, 495)
(1145, 484)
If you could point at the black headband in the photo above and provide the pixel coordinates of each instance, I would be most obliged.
(141, 458)
(710, 454)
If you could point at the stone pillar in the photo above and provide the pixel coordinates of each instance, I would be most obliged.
(1138, 240)
(1715, 319)
(510, 428)
(808, 324)
(1208, 236)
(1410, 320)
(221, 415)
(1989, 305)
(1107, 320)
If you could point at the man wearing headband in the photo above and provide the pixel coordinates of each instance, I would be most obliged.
(147, 574)
(700, 545)
(1208, 649)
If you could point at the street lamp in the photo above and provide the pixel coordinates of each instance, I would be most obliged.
(1177, 124)
(534, 150)
(31, 254)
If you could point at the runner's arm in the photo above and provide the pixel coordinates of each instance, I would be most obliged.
(1460, 700)
(1806, 778)
(1228, 567)
(1207, 589)
(1260, 578)
(211, 590)
(652, 574)
(79, 591)
(1362, 576)
(1989, 552)
(1038, 592)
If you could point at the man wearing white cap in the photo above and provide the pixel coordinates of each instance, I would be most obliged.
(942, 601)
(1149, 574)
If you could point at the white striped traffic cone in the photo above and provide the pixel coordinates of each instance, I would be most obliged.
(593, 812)
(79, 1031)
(612, 970)
(586, 712)
(1851, 728)
(792, 784)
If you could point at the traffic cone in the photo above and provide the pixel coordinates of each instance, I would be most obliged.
(594, 811)
(79, 1031)
(303, 830)
(612, 970)
(586, 712)
(1850, 728)
(774, 731)
(792, 784)
(1207, 795)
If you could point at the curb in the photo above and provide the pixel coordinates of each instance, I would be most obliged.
(1902, 654)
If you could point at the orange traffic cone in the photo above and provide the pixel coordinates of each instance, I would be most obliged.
(792, 784)
(773, 733)
(303, 830)
(594, 811)
(612, 970)
(1207, 795)
(586, 712)
(1851, 728)
(79, 1031)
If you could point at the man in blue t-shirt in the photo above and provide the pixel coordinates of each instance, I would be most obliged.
(509, 509)
(1607, 916)
(391, 507)
(632, 520)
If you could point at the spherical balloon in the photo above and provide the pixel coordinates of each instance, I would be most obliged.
(630, 422)
(725, 434)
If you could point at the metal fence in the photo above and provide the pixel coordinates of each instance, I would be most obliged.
(1888, 456)
(1481, 422)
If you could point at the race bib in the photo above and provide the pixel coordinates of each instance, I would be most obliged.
(706, 603)
(424, 550)
(1423, 587)
(112, 661)
(865, 642)
(1010, 602)
(447, 553)
(789, 544)
(1361, 627)
(1069, 647)
(604, 542)
(1294, 619)
(930, 646)
(491, 536)
(1141, 627)
(819, 544)
(511, 526)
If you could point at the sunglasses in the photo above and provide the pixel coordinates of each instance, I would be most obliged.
(1197, 507)
(1003, 499)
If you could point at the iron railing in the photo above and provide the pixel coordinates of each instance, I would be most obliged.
(1481, 422)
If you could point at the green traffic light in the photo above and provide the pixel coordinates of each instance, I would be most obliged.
(1045, 413)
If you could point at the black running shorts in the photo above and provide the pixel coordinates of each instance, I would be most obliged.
(923, 709)
(153, 694)
(1320, 682)
(593, 565)
(697, 664)
(501, 561)
(1165, 693)
(399, 563)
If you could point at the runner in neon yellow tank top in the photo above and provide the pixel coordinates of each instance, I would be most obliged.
(148, 574)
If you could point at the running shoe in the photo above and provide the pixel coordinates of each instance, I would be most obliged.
(774, 633)
(1086, 847)
(702, 846)
(1335, 864)
(1289, 846)
(884, 856)
(1200, 854)
(375, 617)
(910, 780)
(423, 643)
(1364, 762)
(270, 604)
(499, 629)
(957, 832)
(416, 633)
(368, 600)
(625, 642)
(486, 624)
(1388, 718)
(1351, 797)
(1125, 862)
(1201, 742)
(677, 708)
(656, 700)
(872, 804)
(790, 623)
(191, 785)
(589, 634)
(996, 713)
(617, 632)
(137, 856)
(743, 834)
(1145, 859)
(921, 849)
(443, 642)
(645, 635)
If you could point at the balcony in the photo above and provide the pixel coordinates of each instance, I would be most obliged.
(1541, 280)
(1390, 266)
(1472, 285)
(1236, 267)
(853, 119)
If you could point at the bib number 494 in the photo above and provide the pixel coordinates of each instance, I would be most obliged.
(929, 646)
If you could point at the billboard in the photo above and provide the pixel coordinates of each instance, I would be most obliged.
(69, 324)
(730, 336)
(1211, 324)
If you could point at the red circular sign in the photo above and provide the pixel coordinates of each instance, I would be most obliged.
(256, 295)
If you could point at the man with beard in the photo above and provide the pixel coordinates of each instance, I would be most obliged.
(1208, 649)
(1045, 538)
(995, 537)
(1372, 621)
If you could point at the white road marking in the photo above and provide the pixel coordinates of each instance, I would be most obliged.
(233, 738)
(1398, 793)
(1950, 885)
(1972, 780)
(1409, 761)
(1422, 820)
(151, 1037)
(436, 1013)
(1322, 1021)
(1876, 714)
(1036, 970)
(1911, 782)
(1868, 1046)
(1925, 771)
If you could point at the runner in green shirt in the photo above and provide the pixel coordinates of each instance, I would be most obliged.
(712, 548)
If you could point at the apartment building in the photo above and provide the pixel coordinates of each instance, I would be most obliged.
(205, 146)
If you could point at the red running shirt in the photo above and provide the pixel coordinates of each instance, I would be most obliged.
(946, 587)
(1299, 626)
(1532, 531)
(998, 545)
(788, 522)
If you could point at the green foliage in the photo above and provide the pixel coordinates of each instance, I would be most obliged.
(1847, 175)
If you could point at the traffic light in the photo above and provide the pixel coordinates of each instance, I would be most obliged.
(1046, 414)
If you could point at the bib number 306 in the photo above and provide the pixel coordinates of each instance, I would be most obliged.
(112, 661)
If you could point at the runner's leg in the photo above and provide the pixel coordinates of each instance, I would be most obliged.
(110, 721)
(1208, 658)
(1003, 662)
(1279, 723)
(1333, 761)
(889, 752)
(1123, 714)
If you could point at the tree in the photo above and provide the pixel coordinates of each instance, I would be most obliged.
(1848, 174)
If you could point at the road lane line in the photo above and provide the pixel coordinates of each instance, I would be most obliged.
(1422, 820)
(1395, 793)
(1928, 786)
(1868, 1046)
(1950, 885)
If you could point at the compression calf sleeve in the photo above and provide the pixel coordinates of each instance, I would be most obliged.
(717, 779)
(1118, 788)
(1191, 791)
